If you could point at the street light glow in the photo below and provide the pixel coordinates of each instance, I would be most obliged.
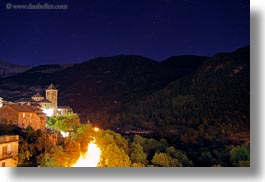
(96, 129)
(49, 112)
(91, 158)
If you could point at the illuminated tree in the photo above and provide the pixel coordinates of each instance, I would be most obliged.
(113, 156)
(139, 139)
(163, 160)
(51, 121)
(138, 155)
(106, 137)
(83, 136)
(113, 137)
(64, 123)
(54, 158)
(72, 152)
(113, 149)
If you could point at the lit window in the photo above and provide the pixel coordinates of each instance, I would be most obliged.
(23, 115)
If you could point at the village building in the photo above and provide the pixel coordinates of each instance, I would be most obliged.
(9, 150)
(23, 116)
(48, 104)
(34, 112)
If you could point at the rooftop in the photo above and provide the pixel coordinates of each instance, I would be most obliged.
(32, 101)
(51, 87)
(37, 95)
(23, 108)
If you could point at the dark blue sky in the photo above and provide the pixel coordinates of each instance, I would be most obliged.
(153, 28)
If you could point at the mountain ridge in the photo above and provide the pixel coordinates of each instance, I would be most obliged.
(9, 69)
(102, 88)
(104, 79)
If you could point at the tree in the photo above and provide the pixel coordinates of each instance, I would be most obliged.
(113, 149)
(163, 160)
(72, 152)
(139, 139)
(65, 123)
(32, 146)
(244, 163)
(240, 155)
(51, 121)
(179, 155)
(54, 158)
(83, 136)
(25, 152)
(206, 158)
(150, 145)
(113, 156)
(106, 137)
(138, 155)
(191, 135)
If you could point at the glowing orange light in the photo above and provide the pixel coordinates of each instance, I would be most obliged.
(96, 129)
(91, 158)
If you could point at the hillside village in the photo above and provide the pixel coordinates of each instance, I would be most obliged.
(204, 115)
(25, 112)
(33, 111)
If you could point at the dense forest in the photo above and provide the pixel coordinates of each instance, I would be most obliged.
(212, 104)
(35, 150)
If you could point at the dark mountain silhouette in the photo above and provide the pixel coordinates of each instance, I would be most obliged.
(212, 103)
(101, 84)
(8, 69)
(48, 68)
(185, 61)
(181, 93)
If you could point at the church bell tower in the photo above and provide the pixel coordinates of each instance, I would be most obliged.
(52, 96)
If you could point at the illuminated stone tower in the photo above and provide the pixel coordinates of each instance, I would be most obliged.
(1, 102)
(52, 96)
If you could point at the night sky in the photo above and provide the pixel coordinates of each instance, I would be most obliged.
(156, 29)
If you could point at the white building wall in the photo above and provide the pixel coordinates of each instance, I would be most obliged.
(10, 157)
